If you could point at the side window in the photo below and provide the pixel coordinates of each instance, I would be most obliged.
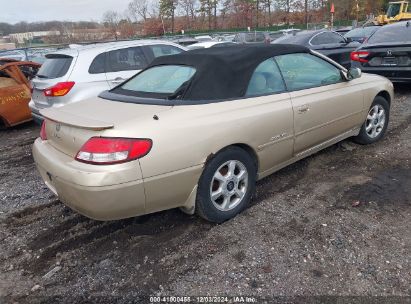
(254, 37)
(126, 59)
(302, 71)
(319, 39)
(327, 38)
(98, 65)
(266, 79)
(336, 38)
(164, 50)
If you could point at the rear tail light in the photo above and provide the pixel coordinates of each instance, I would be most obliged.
(360, 56)
(60, 89)
(43, 134)
(107, 151)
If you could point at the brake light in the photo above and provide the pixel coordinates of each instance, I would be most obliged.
(107, 151)
(43, 134)
(360, 56)
(60, 89)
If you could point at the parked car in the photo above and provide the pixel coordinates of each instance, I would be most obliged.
(184, 41)
(180, 134)
(226, 37)
(208, 44)
(362, 34)
(326, 42)
(344, 30)
(15, 91)
(71, 75)
(281, 33)
(290, 31)
(203, 38)
(387, 53)
(276, 35)
(36, 54)
(252, 38)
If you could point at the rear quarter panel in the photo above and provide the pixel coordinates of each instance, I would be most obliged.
(186, 136)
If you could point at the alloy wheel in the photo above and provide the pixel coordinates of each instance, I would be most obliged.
(229, 185)
(375, 121)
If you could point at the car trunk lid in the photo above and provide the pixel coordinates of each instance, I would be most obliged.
(69, 127)
(389, 55)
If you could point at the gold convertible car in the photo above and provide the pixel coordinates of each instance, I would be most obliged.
(198, 129)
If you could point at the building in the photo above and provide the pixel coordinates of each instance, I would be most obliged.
(6, 44)
(21, 38)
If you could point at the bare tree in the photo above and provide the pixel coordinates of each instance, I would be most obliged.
(138, 9)
(189, 8)
(111, 20)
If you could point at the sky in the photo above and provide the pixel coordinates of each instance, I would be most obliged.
(13, 11)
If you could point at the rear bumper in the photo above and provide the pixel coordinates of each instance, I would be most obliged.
(88, 189)
(395, 74)
(35, 113)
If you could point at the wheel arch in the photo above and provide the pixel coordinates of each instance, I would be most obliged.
(247, 148)
(3, 122)
(384, 94)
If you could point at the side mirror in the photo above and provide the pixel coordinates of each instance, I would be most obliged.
(354, 73)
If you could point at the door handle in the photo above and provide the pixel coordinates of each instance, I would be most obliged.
(118, 80)
(303, 109)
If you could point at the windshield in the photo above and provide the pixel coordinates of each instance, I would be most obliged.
(393, 10)
(393, 33)
(55, 67)
(165, 79)
(361, 32)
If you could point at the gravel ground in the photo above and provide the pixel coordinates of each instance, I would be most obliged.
(335, 224)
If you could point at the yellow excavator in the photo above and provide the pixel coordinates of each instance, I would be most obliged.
(397, 11)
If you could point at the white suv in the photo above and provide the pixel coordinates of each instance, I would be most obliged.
(71, 75)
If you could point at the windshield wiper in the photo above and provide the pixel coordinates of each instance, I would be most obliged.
(41, 76)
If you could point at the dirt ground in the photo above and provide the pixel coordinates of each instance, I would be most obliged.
(335, 224)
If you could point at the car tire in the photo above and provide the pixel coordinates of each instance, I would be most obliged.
(376, 122)
(226, 185)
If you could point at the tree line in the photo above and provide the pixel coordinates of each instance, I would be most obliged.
(157, 17)
(172, 16)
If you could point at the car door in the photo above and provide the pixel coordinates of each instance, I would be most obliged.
(325, 105)
(123, 63)
(275, 129)
(334, 46)
(94, 82)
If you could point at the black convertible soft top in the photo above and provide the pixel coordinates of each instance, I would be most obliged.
(225, 72)
(221, 73)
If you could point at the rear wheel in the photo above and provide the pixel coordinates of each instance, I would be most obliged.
(226, 185)
(376, 122)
